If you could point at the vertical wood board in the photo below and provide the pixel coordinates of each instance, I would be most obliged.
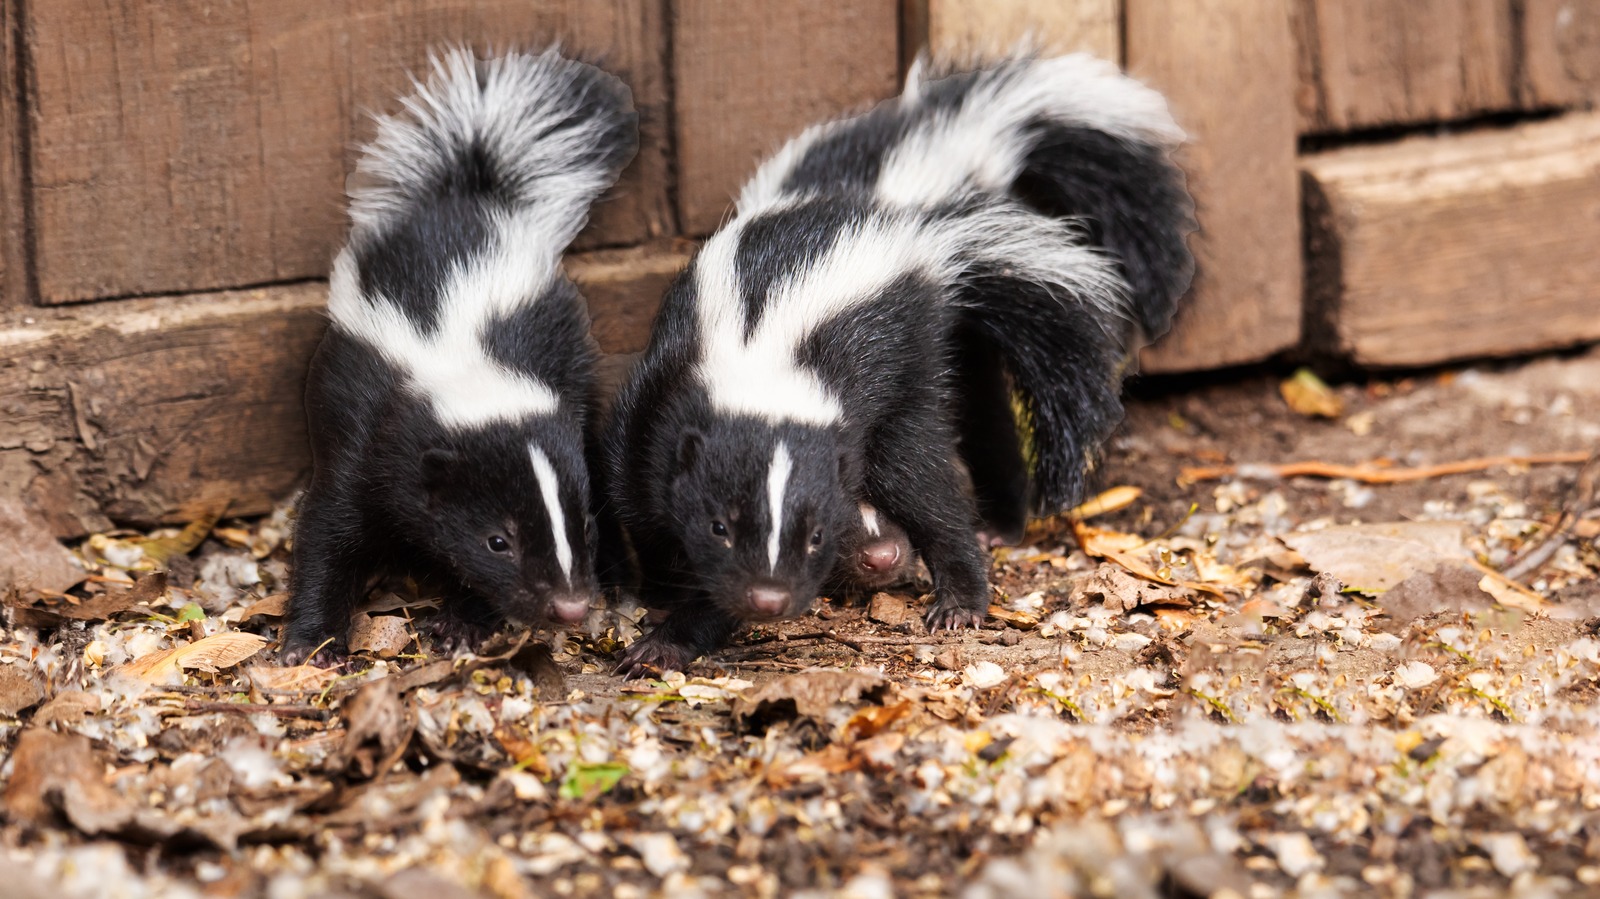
(1560, 53)
(748, 76)
(13, 239)
(1375, 63)
(1227, 67)
(960, 29)
(196, 144)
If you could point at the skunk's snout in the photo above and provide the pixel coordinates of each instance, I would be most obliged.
(880, 556)
(569, 608)
(767, 601)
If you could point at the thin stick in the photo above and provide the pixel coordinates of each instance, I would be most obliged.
(1376, 474)
(286, 710)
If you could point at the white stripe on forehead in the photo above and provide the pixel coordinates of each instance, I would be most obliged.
(761, 377)
(777, 483)
(546, 476)
(869, 519)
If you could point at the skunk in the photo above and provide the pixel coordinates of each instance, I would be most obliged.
(448, 404)
(858, 330)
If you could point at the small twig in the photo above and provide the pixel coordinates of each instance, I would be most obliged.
(1375, 473)
(286, 710)
(1578, 501)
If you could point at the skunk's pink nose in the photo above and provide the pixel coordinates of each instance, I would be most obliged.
(569, 608)
(769, 601)
(880, 556)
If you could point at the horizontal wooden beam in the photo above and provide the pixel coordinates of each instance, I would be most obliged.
(1455, 247)
(151, 410)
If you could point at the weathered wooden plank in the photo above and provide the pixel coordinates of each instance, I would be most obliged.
(959, 29)
(1455, 247)
(624, 288)
(748, 76)
(224, 129)
(149, 410)
(1227, 69)
(13, 260)
(1369, 63)
(1560, 53)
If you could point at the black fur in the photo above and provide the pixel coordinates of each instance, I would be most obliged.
(924, 369)
(395, 490)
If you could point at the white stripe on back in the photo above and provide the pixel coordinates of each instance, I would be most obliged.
(546, 475)
(449, 369)
(777, 482)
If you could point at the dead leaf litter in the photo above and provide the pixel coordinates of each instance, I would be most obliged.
(1268, 685)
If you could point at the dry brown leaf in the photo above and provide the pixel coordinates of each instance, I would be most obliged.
(870, 721)
(1123, 549)
(274, 606)
(1509, 593)
(30, 557)
(830, 760)
(69, 705)
(20, 688)
(293, 679)
(1020, 620)
(160, 550)
(1308, 395)
(1106, 501)
(1122, 592)
(524, 752)
(212, 654)
(812, 694)
(378, 725)
(886, 608)
(1377, 557)
(382, 635)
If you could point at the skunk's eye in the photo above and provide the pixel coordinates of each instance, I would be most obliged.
(718, 529)
(498, 544)
(816, 538)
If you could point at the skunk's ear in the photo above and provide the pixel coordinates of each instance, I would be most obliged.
(439, 467)
(689, 447)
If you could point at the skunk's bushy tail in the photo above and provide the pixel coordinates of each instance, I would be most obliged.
(535, 132)
(1050, 184)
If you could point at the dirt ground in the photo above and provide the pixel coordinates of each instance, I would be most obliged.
(1243, 684)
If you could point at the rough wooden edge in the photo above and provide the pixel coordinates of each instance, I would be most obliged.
(151, 410)
(1518, 276)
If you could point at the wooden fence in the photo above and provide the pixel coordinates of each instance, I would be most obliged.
(172, 171)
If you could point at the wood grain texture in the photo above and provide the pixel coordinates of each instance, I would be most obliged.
(1560, 53)
(624, 287)
(149, 410)
(1227, 67)
(960, 29)
(748, 76)
(197, 144)
(13, 252)
(1371, 63)
(1456, 247)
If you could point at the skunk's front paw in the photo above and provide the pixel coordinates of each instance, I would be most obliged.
(448, 632)
(949, 614)
(653, 654)
(328, 654)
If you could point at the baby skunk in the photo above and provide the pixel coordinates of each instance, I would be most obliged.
(887, 281)
(448, 402)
